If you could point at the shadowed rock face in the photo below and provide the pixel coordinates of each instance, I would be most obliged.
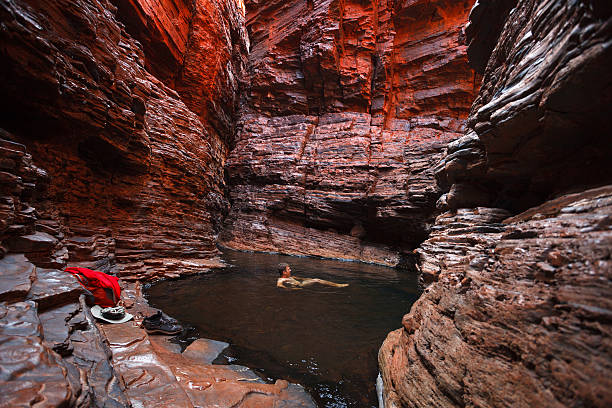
(133, 174)
(517, 309)
(540, 124)
(348, 107)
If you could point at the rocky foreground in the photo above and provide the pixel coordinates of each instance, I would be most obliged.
(54, 354)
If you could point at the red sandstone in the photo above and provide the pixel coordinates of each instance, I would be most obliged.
(341, 129)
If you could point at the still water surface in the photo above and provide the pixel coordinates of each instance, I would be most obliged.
(324, 338)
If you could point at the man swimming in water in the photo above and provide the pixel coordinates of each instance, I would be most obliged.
(287, 281)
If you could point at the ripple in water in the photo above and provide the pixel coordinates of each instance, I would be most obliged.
(324, 338)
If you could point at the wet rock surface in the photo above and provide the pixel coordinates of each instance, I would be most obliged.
(51, 350)
(17, 276)
(31, 373)
(348, 107)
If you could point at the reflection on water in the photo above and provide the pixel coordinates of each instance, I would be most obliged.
(322, 337)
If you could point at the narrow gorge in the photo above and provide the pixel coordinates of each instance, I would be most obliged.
(464, 144)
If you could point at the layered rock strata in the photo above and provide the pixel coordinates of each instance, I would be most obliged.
(134, 174)
(348, 107)
(517, 308)
(51, 351)
(519, 314)
(197, 48)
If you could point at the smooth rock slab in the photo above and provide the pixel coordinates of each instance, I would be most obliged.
(53, 287)
(16, 276)
(38, 242)
(30, 373)
(150, 383)
(205, 350)
(92, 355)
(57, 329)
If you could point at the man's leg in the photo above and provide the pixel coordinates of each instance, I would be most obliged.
(307, 282)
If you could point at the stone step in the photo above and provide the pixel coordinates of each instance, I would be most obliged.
(32, 374)
(53, 288)
(16, 277)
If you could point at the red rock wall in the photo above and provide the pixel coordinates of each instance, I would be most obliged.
(197, 48)
(162, 28)
(135, 175)
(349, 106)
(517, 309)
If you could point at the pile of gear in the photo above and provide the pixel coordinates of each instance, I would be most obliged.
(103, 295)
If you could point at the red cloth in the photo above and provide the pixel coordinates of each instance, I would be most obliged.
(104, 288)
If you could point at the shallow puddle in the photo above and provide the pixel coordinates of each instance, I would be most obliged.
(324, 338)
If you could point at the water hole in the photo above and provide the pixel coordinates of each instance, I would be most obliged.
(325, 338)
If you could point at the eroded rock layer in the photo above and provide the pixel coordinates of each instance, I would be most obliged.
(134, 175)
(517, 311)
(519, 315)
(51, 351)
(348, 108)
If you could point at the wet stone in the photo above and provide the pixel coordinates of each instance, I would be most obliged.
(16, 276)
(205, 350)
(91, 355)
(149, 382)
(57, 327)
(30, 373)
(53, 288)
(38, 242)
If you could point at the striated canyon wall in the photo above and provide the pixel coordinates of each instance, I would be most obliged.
(517, 308)
(348, 107)
(106, 162)
(133, 162)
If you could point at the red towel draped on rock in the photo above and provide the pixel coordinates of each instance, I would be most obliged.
(104, 288)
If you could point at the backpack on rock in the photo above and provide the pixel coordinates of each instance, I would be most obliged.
(104, 288)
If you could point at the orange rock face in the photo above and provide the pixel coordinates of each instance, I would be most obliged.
(135, 176)
(197, 48)
(348, 107)
(162, 27)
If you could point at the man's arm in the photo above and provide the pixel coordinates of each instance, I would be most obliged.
(293, 283)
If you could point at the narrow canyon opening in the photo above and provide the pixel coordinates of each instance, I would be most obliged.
(463, 144)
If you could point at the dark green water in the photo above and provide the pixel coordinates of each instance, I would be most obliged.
(324, 338)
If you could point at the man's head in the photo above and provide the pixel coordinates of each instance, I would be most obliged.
(284, 270)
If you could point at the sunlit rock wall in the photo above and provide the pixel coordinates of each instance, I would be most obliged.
(348, 108)
(517, 308)
(134, 172)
